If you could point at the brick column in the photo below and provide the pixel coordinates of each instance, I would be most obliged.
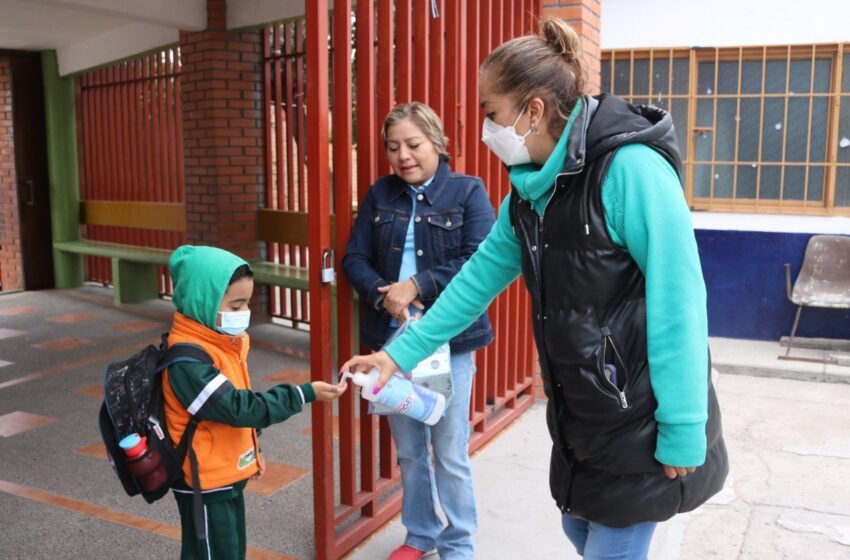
(11, 265)
(222, 85)
(585, 17)
(223, 138)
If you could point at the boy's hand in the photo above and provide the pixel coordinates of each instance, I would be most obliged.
(327, 392)
(259, 474)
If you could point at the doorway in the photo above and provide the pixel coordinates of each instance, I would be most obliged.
(31, 170)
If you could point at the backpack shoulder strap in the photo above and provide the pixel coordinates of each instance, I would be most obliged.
(183, 352)
(192, 353)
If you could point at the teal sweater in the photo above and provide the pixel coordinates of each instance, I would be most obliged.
(646, 215)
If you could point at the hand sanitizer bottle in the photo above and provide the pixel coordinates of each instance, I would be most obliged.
(402, 396)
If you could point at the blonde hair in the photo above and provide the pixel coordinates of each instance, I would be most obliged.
(547, 65)
(425, 119)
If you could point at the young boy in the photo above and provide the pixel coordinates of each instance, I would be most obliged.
(212, 288)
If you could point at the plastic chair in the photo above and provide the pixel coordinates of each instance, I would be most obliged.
(824, 279)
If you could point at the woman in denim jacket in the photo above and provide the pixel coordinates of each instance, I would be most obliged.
(413, 232)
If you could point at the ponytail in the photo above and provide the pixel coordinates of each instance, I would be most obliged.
(548, 65)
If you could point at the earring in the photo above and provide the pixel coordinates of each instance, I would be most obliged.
(534, 131)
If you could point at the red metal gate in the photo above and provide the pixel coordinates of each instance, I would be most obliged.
(430, 51)
(130, 137)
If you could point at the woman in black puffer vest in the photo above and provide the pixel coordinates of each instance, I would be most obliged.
(598, 226)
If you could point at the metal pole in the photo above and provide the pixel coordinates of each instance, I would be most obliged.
(319, 226)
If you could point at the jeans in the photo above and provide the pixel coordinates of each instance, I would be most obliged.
(594, 541)
(452, 478)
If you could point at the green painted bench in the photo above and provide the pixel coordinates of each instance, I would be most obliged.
(134, 269)
(134, 274)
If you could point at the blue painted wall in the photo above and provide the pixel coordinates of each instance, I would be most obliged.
(745, 276)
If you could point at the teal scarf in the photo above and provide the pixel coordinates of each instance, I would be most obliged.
(533, 182)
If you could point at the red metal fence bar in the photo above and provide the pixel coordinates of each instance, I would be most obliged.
(366, 173)
(404, 46)
(386, 100)
(343, 175)
(131, 146)
(436, 46)
(301, 135)
(319, 225)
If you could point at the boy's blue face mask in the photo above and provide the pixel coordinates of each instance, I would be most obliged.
(234, 322)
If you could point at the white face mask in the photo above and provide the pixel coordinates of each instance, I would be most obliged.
(505, 142)
(234, 322)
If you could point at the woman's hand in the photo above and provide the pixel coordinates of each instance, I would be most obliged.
(398, 297)
(380, 360)
(673, 472)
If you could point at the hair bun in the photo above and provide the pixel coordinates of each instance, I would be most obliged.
(561, 38)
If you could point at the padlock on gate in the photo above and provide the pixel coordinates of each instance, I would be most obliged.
(328, 272)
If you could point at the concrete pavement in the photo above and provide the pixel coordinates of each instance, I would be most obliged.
(787, 495)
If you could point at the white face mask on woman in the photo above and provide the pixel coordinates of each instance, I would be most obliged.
(234, 323)
(505, 142)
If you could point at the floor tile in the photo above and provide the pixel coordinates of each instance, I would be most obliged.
(96, 450)
(115, 516)
(63, 343)
(9, 333)
(136, 326)
(18, 422)
(4, 363)
(292, 376)
(78, 317)
(18, 310)
(277, 477)
(95, 391)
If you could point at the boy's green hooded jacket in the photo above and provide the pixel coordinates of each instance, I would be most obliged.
(201, 276)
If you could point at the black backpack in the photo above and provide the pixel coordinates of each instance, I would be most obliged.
(134, 403)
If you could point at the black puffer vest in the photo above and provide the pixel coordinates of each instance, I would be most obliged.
(589, 309)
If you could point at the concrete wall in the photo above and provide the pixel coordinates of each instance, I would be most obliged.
(714, 23)
(743, 255)
(745, 276)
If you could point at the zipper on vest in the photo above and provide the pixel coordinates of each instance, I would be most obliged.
(535, 263)
(582, 212)
(606, 332)
(623, 402)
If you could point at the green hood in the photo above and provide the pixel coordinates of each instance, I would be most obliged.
(201, 276)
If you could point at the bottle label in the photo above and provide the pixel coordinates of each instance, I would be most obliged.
(407, 398)
(405, 405)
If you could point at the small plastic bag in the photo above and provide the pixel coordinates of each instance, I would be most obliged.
(434, 372)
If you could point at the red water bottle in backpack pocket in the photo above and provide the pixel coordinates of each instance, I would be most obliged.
(144, 463)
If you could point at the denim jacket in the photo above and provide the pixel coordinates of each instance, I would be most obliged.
(452, 218)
